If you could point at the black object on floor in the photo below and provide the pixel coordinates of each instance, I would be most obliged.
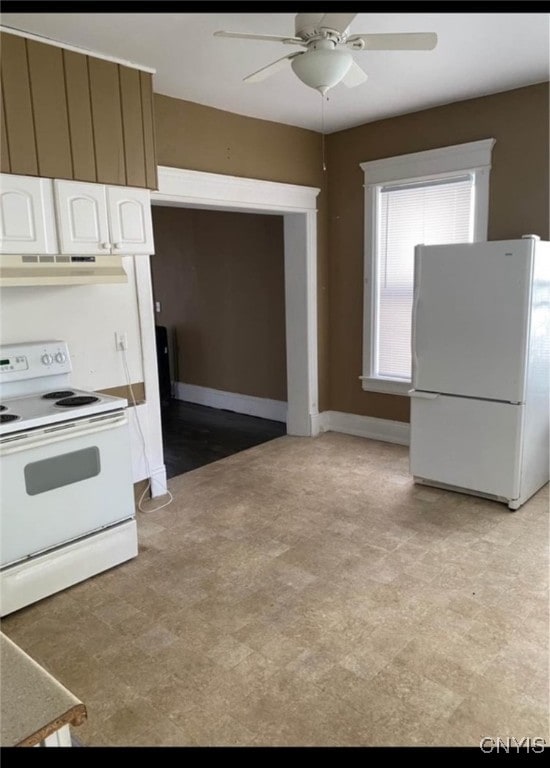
(163, 364)
(195, 435)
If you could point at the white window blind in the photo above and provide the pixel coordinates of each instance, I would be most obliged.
(429, 212)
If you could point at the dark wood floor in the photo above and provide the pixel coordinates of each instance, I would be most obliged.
(194, 435)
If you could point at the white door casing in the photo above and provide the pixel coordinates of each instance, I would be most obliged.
(27, 218)
(145, 419)
(195, 189)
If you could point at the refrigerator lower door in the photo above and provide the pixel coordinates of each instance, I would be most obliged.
(466, 443)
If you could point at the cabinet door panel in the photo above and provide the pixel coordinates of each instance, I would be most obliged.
(27, 220)
(82, 217)
(130, 220)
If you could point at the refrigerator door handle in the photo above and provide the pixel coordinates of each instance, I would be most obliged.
(416, 299)
(423, 395)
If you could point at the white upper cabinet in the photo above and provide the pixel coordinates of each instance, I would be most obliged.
(82, 217)
(94, 219)
(130, 220)
(57, 216)
(27, 219)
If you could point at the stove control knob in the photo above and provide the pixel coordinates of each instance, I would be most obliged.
(60, 357)
(47, 359)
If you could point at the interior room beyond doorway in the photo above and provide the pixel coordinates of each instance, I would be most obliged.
(219, 292)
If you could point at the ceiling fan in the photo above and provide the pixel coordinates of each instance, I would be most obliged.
(327, 59)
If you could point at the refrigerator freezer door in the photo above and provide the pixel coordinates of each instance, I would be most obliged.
(471, 444)
(471, 317)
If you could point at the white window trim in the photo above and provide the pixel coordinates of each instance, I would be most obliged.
(471, 158)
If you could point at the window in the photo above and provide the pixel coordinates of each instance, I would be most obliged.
(438, 196)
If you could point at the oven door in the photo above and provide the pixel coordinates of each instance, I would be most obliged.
(63, 482)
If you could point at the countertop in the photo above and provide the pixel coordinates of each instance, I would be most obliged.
(33, 704)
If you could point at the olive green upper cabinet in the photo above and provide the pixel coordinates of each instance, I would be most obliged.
(67, 115)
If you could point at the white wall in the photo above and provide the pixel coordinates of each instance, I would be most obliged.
(86, 317)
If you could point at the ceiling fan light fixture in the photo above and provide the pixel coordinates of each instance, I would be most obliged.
(322, 68)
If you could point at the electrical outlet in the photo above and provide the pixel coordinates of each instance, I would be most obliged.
(157, 306)
(121, 340)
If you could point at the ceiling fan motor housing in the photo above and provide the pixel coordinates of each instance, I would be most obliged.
(310, 25)
(323, 65)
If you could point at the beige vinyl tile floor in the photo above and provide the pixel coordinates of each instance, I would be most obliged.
(306, 592)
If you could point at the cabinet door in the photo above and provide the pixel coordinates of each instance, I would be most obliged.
(130, 220)
(27, 218)
(82, 217)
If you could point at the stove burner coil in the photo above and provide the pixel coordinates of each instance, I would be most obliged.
(71, 402)
(58, 395)
(7, 417)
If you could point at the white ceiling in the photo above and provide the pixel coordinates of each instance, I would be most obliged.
(477, 54)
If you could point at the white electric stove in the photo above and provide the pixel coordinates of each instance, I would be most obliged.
(53, 406)
(67, 503)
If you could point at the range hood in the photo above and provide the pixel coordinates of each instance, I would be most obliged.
(60, 270)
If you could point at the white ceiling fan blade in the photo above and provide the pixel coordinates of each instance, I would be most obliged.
(405, 41)
(303, 21)
(354, 76)
(250, 36)
(269, 69)
(337, 21)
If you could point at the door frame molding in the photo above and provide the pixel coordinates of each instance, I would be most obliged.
(298, 206)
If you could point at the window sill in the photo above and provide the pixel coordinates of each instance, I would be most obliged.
(388, 386)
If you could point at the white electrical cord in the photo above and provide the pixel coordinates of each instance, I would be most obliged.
(143, 444)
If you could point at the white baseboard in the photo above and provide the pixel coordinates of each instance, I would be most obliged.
(317, 422)
(364, 426)
(230, 401)
(159, 484)
(327, 421)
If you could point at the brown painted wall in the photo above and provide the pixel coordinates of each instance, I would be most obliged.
(201, 138)
(220, 279)
(519, 204)
(138, 388)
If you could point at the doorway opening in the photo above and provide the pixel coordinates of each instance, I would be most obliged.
(297, 204)
(219, 297)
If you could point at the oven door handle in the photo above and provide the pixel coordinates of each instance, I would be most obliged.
(65, 433)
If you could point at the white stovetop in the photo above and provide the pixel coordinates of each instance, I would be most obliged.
(34, 411)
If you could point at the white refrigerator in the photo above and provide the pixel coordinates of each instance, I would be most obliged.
(481, 368)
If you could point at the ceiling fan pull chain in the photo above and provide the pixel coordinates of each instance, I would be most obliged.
(323, 131)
